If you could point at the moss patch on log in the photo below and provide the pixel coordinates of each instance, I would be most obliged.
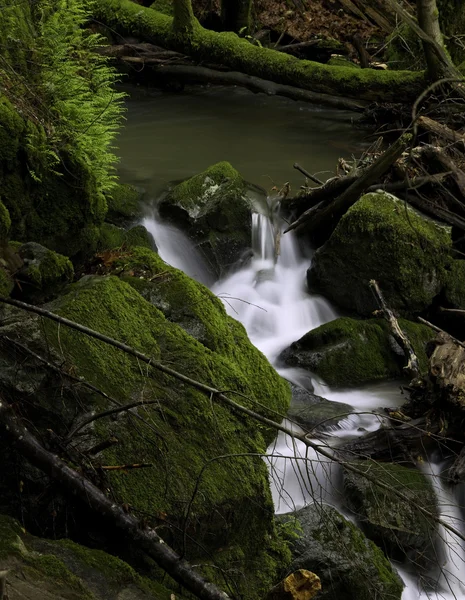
(239, 54)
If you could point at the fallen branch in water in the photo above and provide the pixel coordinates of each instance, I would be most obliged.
(28, 444)
(256, 84)
(328, 212)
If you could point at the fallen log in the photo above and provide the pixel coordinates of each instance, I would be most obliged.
(148, 540)
(409, 184)
(325, 216)
(238, 54)
(412, 367)
(441, 130)
(329, 190)
(431, 209)
(255, 84)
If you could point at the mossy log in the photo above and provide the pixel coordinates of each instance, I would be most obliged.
(239, 54)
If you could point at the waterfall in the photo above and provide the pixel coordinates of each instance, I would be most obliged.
(269, 297)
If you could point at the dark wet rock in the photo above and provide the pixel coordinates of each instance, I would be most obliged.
(350, 566)
(214, 208)
(313, 412)
(393, 523)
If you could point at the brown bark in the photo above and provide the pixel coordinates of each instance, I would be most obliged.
(255, 84)
(428, 20)
(236, 15)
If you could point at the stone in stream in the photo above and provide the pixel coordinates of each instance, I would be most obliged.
(348, 352)
(315, 413)
(382, 238)
(393, 523)
(63, 570)
(214, 208)
(158, 310)
(349, 565)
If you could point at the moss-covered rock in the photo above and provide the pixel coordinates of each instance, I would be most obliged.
(124, 204)
(381, 238)
(185, 433)
(63, 570)
(394, 524)
(349, 565)
(215, 211)
(348, 352)
(112, 236)
(454, 289)
(44, 273)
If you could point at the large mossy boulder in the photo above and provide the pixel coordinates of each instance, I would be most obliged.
(63, 570)
(382, 238)
(350, 566)
(348, 352)
(183, 434)
(392, 522)
(214, 209)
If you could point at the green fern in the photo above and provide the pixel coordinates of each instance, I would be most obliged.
(51, 72)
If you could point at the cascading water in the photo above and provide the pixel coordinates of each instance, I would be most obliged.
(269, 297)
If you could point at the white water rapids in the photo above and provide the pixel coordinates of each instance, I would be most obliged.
(271, 301)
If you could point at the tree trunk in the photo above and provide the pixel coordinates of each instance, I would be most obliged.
(428, 19)
(452, 22)
(240, 55)
(184, 20)
(236, 15)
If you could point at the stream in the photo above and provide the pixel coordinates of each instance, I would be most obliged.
(171, 137)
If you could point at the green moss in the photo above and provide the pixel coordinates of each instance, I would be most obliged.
(388, 519)
(381, 238)
(5, 221)
(348, 352)
(164, 6)
(124, 204)
(238, 54)
(10, 538)
(196, 192)
(349, 564)
(112, 237)
(340, 61)
(194, 429)
(6, 283)
(50, 269)
(454, 289)
(53, 569)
